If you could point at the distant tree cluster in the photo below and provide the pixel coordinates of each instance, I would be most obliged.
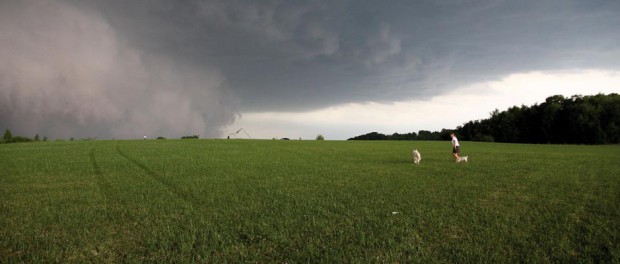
(444, 134)
(190, 137)
(559, 120)
(9, 138)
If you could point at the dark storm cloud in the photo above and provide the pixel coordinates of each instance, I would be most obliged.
(295, 55)
(66, 72)
(289, 55)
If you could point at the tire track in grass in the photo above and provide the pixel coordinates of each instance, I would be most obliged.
(186, 220)
(104, 185)
(186, 196)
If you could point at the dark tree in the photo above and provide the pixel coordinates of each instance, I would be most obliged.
(8, 136)
(370, 136)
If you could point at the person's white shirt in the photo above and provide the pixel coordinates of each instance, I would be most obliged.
(455, 142)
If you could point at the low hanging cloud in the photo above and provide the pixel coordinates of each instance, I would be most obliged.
(65, 72)
(119, 68)
(305, 55)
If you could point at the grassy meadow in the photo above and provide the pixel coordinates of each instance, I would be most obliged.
(270, 201)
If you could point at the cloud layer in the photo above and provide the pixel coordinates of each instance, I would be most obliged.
(302, 55)
(65, 72)
(448, 110)
(126, 68)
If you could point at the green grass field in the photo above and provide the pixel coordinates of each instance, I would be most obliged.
(307, 201)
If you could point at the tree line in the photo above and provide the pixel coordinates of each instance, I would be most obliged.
(444, 134)
(559, 120)
(8, 137)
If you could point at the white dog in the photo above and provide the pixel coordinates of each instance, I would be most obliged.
(416, 156)
(464, 158)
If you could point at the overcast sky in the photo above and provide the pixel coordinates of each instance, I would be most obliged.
(125, 69)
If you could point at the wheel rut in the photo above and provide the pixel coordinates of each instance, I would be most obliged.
(102, 182)
(186, 196)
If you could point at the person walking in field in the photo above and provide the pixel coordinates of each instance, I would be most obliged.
(456, 148)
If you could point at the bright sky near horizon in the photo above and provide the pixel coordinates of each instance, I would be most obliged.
(296, 69)
(449, 110)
